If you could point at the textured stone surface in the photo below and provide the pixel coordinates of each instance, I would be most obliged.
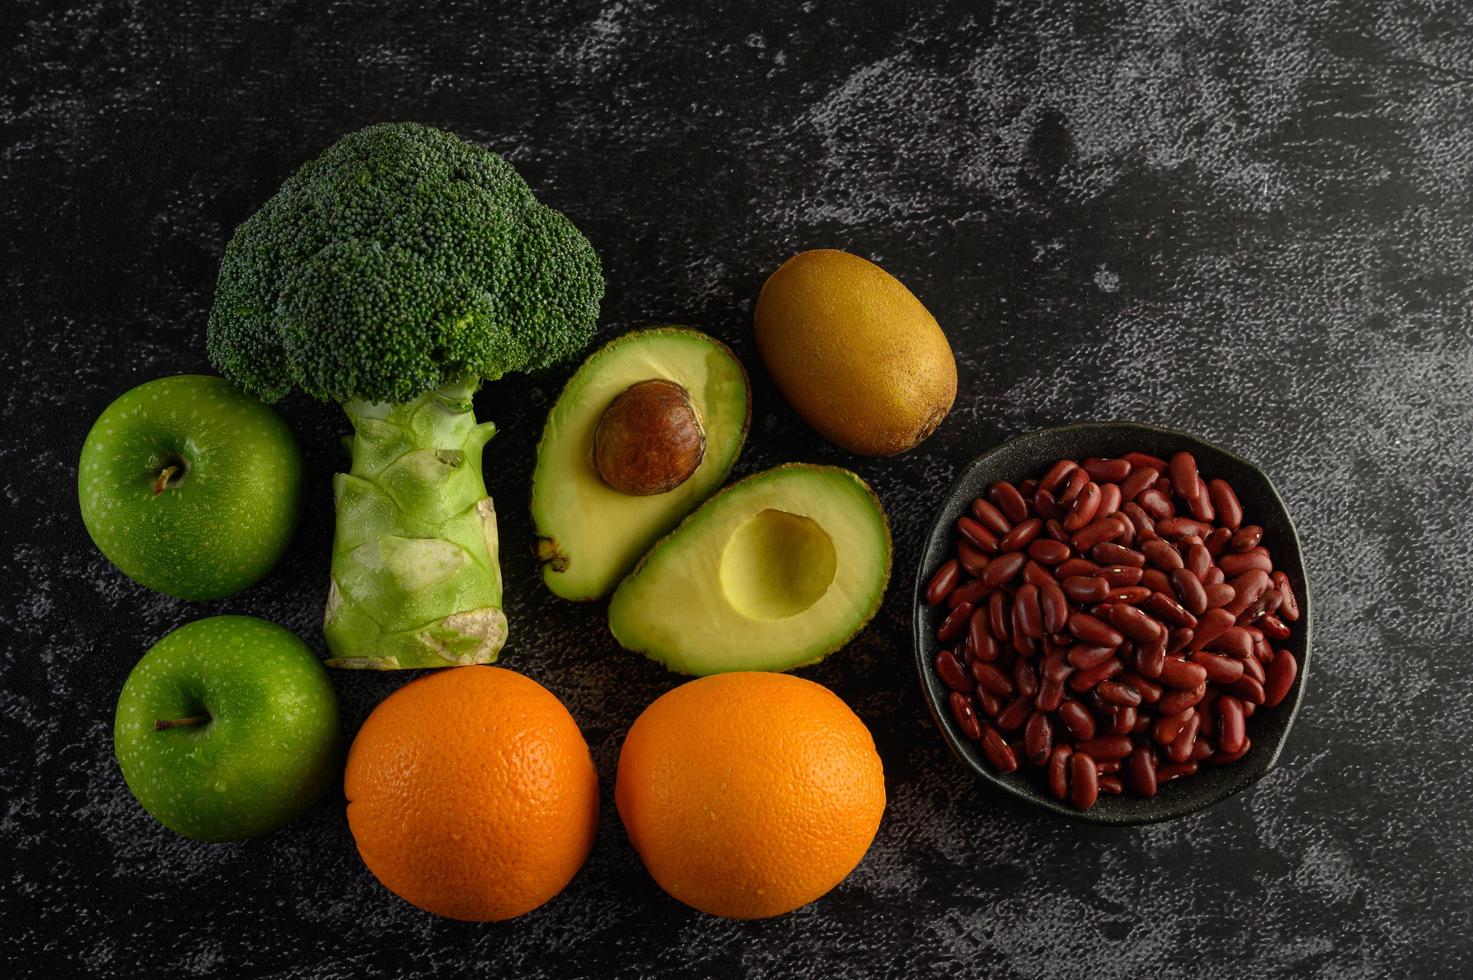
(1251, 220)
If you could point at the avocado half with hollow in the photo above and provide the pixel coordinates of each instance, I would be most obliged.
(776, 571)
(591, 534)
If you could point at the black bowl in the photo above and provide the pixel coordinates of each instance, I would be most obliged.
(1028, 456)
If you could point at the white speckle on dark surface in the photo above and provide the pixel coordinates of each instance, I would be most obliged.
(1252, 221)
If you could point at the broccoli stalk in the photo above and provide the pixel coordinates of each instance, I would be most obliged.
(393, 274)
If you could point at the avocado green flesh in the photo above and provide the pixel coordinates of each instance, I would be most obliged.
(592, 535)
(776, 571)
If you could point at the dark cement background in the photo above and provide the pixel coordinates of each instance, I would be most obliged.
(1251, 220)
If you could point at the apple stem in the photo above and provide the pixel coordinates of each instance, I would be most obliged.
(164, 724)
(161, 482)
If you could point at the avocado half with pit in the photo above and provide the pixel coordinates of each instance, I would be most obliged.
(776, 571)
(624, 398)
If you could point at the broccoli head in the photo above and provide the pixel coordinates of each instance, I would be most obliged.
(401, 260)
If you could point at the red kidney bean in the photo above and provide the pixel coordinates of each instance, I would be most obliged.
(1248, 589)
(1220, 670)
(1172, 593)
(1054, 607)
(1180, 749)
(1112, 555)
(990, 517)
(991, 703)
(1190, 590)
(1082, 657)
(1006, 498)
(1176, 701)
(1238, 563)
(1072, 488)
(1114, 692)
(1225, 503)
(1209, 625)
(1011, 718)
(943, 582)
(997, 750)
(1184, 479)
(991, 679)
(1219, 594)
(1027, 617)
(1168, 610)
(1047, 551)
(1084, 507)
(1289, 604)
(1046, 506)
(1036, 575)
(1058, 771)
(1075, 566)
(951, 672)
(1140, 771)
(1167, 727)
(1182, 674)
(1000, 616)
(1050, 694)
(951, 627)
(972, 558)
(1178, 528)
(1134, 623)
(1156, 505)
(1078, 721)
(1084, 787)
(1230, 731)
(1202, 509)
(1162, 555)
(977, 535)
(1057, 475)
(1223, 758)
(1234, 640)
(1282, 670)
(1084, 589)
(1025, 679)
(1082, 681)
(1038, 738)
(1139, 480)
(1021, 535)
(1106, 747)
(1107, 470)
(1094, 631)
(971, 594)
(1155, 580)
(1129, 594)
(1248, 689)
(1254, 668)
(1100, 531)
(1111, 785)
(1216, 543)
(984, 646)
(1003, 569)
(1150, 658)
(1246, 538)
(966, 718)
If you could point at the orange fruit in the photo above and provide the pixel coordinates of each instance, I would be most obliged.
(749, 794)
(471, 793)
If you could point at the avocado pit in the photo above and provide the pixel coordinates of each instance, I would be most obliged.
(649, 440)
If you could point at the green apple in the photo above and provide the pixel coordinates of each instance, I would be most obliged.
(190, 486)
(228, 728)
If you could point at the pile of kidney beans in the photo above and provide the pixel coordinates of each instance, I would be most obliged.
(1111, 624)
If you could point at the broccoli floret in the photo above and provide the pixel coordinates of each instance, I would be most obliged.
(402, 259)
(393, 274)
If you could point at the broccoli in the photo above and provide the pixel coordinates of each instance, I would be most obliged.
(393, 274)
